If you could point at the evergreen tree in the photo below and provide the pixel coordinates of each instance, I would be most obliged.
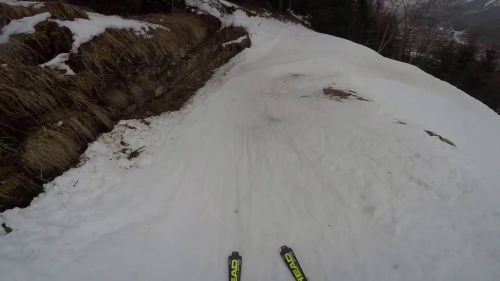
(488, 61)
(332, 17)
(300, 6)
(362, 26)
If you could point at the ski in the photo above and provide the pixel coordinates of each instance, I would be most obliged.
(234, 265)
(292, 263)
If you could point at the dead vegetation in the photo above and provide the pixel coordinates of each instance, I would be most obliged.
(16, 188)
(48, 119)
(57, 10)
(62, 11)
(8, 13)
(195, 70)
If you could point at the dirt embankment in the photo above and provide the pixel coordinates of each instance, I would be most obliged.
(47, 119)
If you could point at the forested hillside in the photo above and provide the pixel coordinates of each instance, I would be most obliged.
(416, 32)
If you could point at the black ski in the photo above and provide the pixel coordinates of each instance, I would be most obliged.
(234, 265)
(292, 263)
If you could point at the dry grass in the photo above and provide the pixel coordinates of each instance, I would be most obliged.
(106, 60)
(185, 26)
(8, 13)
(82, 126)
(33, 97)
(117, 48)
(57, 10)
(34, 100)
(62, 11)
(120, 47)
(18, 53)
(47, 152)
(6, 147)
(48, 41)
(56, 146)
(47, 119)
(16, 189)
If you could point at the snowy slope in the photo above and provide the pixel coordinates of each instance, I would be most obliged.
(261, 158)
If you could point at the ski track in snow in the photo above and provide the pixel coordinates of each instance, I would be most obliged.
(261, 158)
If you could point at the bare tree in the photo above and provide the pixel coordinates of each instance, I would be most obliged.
(402, 20)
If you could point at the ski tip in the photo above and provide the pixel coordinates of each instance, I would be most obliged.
(235, 254)
(284, 248)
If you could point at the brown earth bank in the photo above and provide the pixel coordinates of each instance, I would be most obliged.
(47, 119)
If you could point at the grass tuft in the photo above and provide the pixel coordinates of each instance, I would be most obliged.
(28, 92)
(8, 13)
(57, 10)
(16, 188)
(63, 11)
(48, 152)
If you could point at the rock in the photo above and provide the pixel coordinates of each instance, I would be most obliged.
(159, 91)
(131, 109)
(138, 94)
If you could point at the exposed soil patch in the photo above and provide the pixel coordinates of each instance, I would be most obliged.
(126, 7)
(194, 71)
(131, 153)
(48, 119)
(340, 95)
(441, 138)
(6, 228)
(16, 187)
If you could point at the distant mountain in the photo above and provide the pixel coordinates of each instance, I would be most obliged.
(477, 5)
(479, 16)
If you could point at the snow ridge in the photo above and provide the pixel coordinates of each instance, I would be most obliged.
(24, 25)
(85, 29)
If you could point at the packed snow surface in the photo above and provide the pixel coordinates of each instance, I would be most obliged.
(24, 25)
(262, 158)
(85, 29)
